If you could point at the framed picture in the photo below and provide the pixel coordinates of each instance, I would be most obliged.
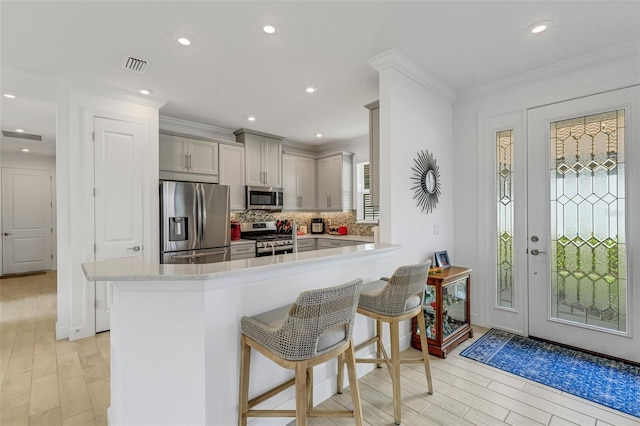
(442, 259)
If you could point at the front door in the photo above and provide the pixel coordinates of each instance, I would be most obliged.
(583, 189)
(26, 220)
(118, 200)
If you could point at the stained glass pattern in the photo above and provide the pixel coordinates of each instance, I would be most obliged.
(505, 212)
(588, 268)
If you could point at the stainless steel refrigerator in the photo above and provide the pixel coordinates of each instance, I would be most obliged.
(194, 222)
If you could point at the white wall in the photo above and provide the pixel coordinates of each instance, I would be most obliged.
(22, 160)
(413, 119)
(602, 71)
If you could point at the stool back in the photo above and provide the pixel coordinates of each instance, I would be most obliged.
(406, 281)
(319, 321)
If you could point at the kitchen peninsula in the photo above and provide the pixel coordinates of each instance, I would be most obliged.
(175, 329)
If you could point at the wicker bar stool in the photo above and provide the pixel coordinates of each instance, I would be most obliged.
(397, 299)
(314, 330)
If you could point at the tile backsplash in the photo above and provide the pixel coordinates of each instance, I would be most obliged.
(347, 219)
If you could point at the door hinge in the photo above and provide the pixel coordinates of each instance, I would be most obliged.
(94, 192)
(93, 136)
(95, 304)
(95, 248)
(52, 230)
(51, 257)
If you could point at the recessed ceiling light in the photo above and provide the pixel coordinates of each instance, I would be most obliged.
(20, 130)
(25, 150)
(145, 91)
(311, 89)
(539, 27)
(184, 41)
(318, 135)
(251, 118)
(270, 29)
(9, 95)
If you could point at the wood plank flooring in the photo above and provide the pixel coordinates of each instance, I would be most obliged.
(48, 382)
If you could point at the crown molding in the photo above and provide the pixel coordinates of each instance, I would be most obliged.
(40, 85)
(111, 92)
(192, 128)
(52, 85)
(589, 60)
(394, 58)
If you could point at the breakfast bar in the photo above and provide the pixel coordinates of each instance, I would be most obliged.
(175, 330)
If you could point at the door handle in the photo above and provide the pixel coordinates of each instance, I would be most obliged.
(134, 248)
(536, 252)
(7, 233)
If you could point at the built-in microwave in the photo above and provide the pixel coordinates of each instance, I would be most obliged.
(264, 198)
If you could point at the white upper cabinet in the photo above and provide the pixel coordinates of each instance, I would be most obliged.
(189, 156)
(173, 153)
(335, 179)
(263, 157)
(299, 178)
(232, 174)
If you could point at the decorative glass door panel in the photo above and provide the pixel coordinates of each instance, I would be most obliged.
(581, 178)
(588, 263)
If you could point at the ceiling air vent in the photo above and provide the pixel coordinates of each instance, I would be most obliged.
(135, 64)
(17, 135)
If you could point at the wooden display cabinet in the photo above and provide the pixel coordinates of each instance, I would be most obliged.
(446, 311)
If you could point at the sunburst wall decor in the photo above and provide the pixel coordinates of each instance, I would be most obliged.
(426, 178)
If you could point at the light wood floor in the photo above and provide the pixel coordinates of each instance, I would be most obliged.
(49, 382)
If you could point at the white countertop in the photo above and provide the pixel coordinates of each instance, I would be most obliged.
(134, 269)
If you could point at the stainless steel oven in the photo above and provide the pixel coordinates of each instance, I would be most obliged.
(272, 238)
(264, 198)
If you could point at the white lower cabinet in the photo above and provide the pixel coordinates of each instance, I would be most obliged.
(327, 243)
(308, 244)
(243, 251)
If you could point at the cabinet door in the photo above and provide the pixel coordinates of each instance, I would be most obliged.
(253, 160)
(292, 200)
(203, 157)
(324, 184)
(232, 174)
(325, 243)
(335, 182)
(307, 183)
(243, 251)
(173, 153)
(272, 161)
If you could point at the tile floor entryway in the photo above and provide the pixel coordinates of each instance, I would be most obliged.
(49, 382)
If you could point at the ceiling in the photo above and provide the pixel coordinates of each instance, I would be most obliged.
(234, 70)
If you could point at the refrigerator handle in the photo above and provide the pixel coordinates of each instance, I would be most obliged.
(203, 212)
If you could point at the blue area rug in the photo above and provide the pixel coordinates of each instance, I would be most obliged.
(611, 383)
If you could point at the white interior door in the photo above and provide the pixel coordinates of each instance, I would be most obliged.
(583, 187)
(118, 200)
(26, 220)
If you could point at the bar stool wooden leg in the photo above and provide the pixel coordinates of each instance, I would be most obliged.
(340, 372)
(302, 395)
(394, 329)
(245, 363)
(310, 387)
(425, 350)
(353, 384)
(379, 334)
